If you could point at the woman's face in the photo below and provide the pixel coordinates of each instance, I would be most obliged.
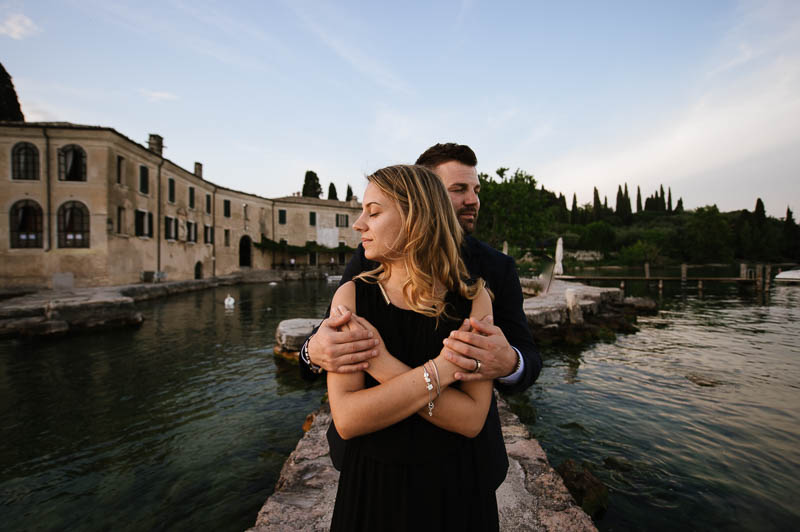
(380, 225)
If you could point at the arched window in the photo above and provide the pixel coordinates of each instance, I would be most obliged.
(26, 224)
(24, 161)
(73, 225)
(72, 163)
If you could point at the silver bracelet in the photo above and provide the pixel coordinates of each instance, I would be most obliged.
(429, 386)
(436, 374)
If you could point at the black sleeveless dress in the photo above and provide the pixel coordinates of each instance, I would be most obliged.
(411, 476)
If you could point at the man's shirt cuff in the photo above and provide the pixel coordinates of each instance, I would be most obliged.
(517, 375)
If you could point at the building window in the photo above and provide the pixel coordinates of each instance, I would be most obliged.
(191, 231)
(171, 190)
(121, 220)
(26, 224)
(208, 234)
(208, 203)
(227, 238)
(144, 180)
(282, 216)
(312, 218)
(226, 208)
(170, 228)
(120, 169)
(73, 225)
(72, 163)
(342, 220)
(191, 197)
(144, 223)
(25, 162)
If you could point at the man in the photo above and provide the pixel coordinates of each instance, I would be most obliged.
(499, 347)
(484, 352)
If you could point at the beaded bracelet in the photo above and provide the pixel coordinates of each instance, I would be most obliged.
(429, 386)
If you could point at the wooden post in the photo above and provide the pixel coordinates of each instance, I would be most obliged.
(684, 272)
(700, 286)
(646, 270)
(742, 270)
(660, 286)
(767, 275)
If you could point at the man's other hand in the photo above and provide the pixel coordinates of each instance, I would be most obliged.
(341, 351)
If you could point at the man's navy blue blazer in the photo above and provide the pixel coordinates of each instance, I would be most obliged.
(500, 274)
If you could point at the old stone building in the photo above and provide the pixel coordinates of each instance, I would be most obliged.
(89, 206)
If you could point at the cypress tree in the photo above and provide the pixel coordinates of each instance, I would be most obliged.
(620, 206)
(332, 192)
(9, 103)
(662, 204)
(679, 206)
(311, 186)
(597, 207)
(669, 201)
(349, 195)
(573, 218)
(638, 199)
(759, 214)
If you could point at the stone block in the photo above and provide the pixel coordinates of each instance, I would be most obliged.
(291, 334)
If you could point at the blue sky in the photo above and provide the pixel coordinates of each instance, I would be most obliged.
(702, 97)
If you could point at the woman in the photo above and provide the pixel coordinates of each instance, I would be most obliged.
(411, 461)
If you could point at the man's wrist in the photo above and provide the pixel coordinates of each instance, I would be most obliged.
(307, 358)
(515, 375)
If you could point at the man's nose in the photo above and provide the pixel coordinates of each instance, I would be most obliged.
(471, 198)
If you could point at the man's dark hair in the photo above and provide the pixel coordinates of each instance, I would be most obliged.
(444, 153)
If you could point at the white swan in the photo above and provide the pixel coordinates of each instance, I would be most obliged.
(229, 302)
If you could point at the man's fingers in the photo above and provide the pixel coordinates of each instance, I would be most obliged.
(354, 360)
(468, 377)
(352, 369)
(469, 338)
(464, 362)
(337, 319)
(484, 326)
(345, 350)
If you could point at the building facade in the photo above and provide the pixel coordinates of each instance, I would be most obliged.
(89, 205)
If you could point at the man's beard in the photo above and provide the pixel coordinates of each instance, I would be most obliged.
(468, 226)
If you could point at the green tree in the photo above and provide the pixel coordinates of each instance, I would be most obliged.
(9, 103)
(708, 237)
(311, 186)
(597, 207)
(599, 236)
(349, 195)
(679, 206)
(573, 215)
(332, 192)
(638, 199)
(669, 201)
(791, 237)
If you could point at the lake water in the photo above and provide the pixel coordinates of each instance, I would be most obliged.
(185, 423)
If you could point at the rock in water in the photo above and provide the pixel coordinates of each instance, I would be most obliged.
(587, 490)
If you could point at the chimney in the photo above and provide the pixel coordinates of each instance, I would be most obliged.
(198, 170)
(156, 143)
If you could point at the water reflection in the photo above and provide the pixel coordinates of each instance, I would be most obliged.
(692, 422)
(181, 424)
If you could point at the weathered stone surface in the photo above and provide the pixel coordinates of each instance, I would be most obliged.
(291, 334)
(532, 498)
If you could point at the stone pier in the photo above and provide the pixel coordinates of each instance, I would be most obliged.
(532, 497)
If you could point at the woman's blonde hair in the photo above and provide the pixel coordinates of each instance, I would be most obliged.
(430, 243)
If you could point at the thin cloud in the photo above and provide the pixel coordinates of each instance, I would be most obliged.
(353, 55)
(18, 26)
(157, 96)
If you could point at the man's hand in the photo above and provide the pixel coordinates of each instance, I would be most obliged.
(484, 342)
(341, 351)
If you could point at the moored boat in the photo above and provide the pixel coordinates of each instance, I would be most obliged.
(789, 276)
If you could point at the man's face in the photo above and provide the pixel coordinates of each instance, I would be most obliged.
(461, 182)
